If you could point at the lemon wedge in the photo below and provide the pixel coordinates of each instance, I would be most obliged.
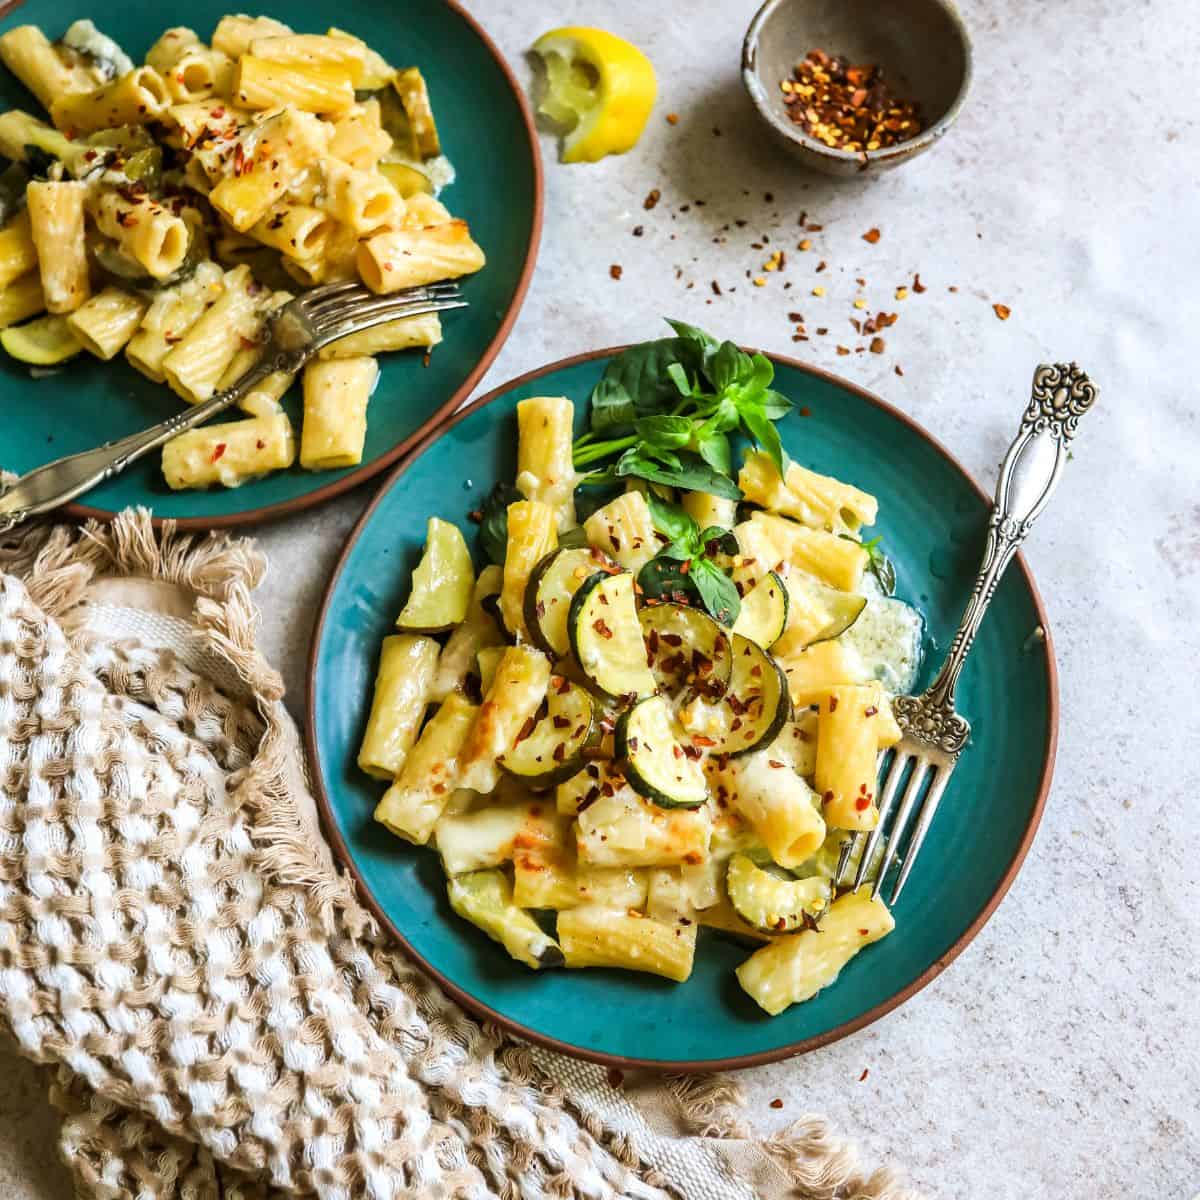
(41, 343)
(599, 87)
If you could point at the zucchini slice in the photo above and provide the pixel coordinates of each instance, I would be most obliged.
(552, 750)
(771, 904)
(758, 701)
(688, 652)
(764, 612)
(44, 342)
(606, 638)
(656, 765)
(442, 582)
(818, 612)
(485, 899)
(414, 96)
(405, 178)
(552, 584)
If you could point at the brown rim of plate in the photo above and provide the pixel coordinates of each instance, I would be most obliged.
(286, 507)
(482, 1011)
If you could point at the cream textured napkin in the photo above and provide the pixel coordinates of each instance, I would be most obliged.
(223, 1018)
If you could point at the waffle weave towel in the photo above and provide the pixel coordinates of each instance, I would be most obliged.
(220, 1016)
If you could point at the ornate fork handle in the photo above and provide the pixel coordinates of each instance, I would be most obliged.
(1062, 393)
(61, 481)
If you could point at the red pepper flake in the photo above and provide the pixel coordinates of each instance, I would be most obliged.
(863, 1076)
(843, 350)
(716, 288)
(601, 628)
(652, 199)
(777, 1103)
(872, 235)
(805, 411)
(699, 739)
(475, 516)
(877, 346)
(862, 803)
(126, 220)
(260, 444)
(561, 684)
(672, 118)
(774, 762)
(827, 798)
(219, 451)
(918, 286)
(1002, 311)
(526, 730)
(833, 703)
(638, 230)
(871, 712)
(615, 271)
(217, 113)
(560, 752)
(898, 369)
(561, 722)
(863, 932)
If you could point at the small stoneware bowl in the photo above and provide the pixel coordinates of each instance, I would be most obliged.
(922, 45)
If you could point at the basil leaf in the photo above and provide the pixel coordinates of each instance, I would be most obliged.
(693, 473)
(612, 407)
(775, 405)
(493, 526)
(881, 566)
(717, 591)
(679, 377)
(716, 540)
(674, 522)
(671, 433)
(664, 578)
(642, 372)
(716, 451)
(704, 342)
(758, 378)
(727, 366)
(763, 431)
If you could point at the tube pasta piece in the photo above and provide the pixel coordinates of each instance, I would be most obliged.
(206, 130)
(404, 258)
(479, 630)
(18, 254)
(191, 70)
(57, 226)
(235, 33)
(377, 72)
(325, 89)
(229, 453)
(812, 672)
(848, 729)
(335, 412)
(295, 230)
(361, 200)
(197, 362)
(171, 314)
(532, 534)
(107, 321)
(347, 54)
(818, 501)
(591, 936)
(359, 137)
(134, 99)
(838, 561)
(30, 56)
(21, 299)
(264, 397)
(485, 899)
(263, 164)
(794, 968)
(624, 530)
(422, 210)
(626, 830)
(412, 805)
(552, 877)
(522, 678)
(766, 790)
(708, 511)
(406, 666)
(19, 131)
(489, 836)
(545, 471)
(405, 334)
(148, 232)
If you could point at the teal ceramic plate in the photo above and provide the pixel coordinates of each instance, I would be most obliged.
(932, 519)
(488, 134)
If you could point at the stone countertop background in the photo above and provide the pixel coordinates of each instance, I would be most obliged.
(1060, 1054)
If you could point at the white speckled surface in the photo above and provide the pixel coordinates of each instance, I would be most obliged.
(1060, 1055)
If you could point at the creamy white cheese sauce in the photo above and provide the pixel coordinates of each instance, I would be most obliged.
(887, 638)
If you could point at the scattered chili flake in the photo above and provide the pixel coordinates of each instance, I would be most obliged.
(898, 369)
(672, 118)
(872, 235)
(526, 729)
(821, 266)
(952, 288)
(716, 288)
(863, 932)
(818, 291)
(615, 271)
(822, 330)
(843, 350)
(760, 281)
(862, 803)
(805, 411)
(917, 285)
(804, 244)
(877, 346)
(776, 1103)
(260, 444)
(860, 303)
(833, 703)
(847, 107)
(601, 628)
(1002, 311)
(638, 230)
(866, 1072)
(652, 198)
(902, 293)
(219, 451)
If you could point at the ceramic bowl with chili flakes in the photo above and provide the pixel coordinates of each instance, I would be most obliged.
(854, 86)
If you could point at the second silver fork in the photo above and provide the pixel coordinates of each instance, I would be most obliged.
(298, 330)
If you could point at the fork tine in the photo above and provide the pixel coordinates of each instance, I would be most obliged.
(941, 776)
(844, 859)
(337, 295)
(887, 796)
(356, 322)
(916, 781)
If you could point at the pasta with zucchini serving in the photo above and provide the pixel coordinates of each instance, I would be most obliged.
(166, 209)
(659, 718)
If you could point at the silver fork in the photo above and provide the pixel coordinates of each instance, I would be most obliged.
(934, 734)
(297, 331)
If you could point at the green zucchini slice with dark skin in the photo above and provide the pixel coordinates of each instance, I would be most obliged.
(606, 637)
(654, 762)
(757, 698)
(485, 899)
(552, 749)
(687, 651)
(552, 584)
(772, 904)
(764, 612)
(842, 608)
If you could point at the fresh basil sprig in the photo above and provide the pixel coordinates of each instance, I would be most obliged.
(493, 520)
(665, 410)
(686, 568)
(881, 566)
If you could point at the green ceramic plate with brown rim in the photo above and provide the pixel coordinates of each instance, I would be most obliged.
(932, 521)
(486, 131)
